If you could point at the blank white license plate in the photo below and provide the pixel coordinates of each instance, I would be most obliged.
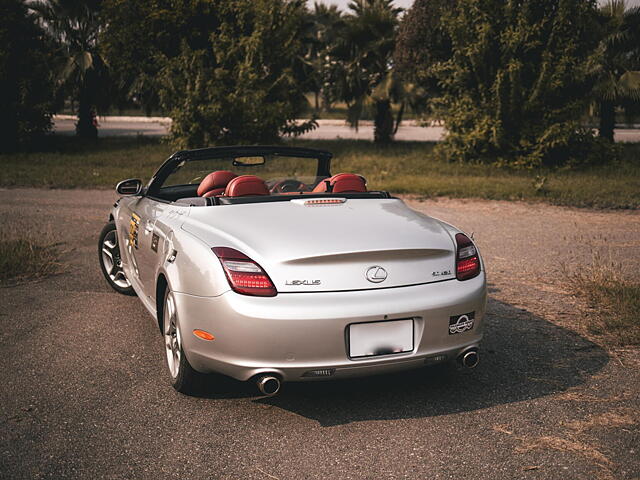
(380, 338)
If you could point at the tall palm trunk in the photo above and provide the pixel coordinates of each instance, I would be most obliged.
(85, 127)
(607, 119)
(383, 122)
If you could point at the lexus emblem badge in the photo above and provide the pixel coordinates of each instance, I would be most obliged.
(376, 274)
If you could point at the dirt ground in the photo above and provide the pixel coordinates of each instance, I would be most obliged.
(85, 393)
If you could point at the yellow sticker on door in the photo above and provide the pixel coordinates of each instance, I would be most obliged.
(134, 225)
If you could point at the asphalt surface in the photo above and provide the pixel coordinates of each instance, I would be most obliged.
(327, 130)
(85, 391)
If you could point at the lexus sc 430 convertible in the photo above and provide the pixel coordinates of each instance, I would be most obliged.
(260, 264)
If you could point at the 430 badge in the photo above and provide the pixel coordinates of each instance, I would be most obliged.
(461, 323)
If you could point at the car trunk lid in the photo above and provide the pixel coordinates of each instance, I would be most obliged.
(352, 245)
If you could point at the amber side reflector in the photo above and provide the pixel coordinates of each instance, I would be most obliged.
(203, 335)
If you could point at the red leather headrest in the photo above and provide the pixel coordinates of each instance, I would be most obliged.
(322, 186)
(214, 192)
(348, 183)
(246, 185)
(214, 181)
(343, 183)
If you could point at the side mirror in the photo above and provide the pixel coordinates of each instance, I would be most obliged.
(132, 186)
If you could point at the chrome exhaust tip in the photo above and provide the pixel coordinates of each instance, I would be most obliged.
(268, 385)
(470, 358)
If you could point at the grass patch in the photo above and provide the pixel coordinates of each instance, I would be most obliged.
(24, 259)
(405, 167)
(84, 164)
(614, 300)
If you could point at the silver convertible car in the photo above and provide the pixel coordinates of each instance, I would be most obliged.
(258, 263)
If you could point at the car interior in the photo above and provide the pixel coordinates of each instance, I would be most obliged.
(226, 187)
(226, 176)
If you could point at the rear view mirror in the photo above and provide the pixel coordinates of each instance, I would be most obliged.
(247, 161)
(132, 186)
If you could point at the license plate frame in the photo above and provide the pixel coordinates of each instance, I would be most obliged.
(388, 337)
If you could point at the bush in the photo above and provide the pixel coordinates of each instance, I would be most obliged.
(516, 82)
(225, 72)
(26, 82)
(422, 42)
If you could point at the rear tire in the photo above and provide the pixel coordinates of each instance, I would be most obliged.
(111, 261)
(183, 377)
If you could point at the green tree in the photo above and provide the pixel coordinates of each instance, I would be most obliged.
(422, 42)
(75, 26)
(225, 72)
(618, 68)
(518, 81)
(325, 25)
(26, 85)
(363, 59)
(140, 36)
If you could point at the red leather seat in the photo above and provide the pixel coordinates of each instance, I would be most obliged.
(245, 186)
(342, 183)
(215, 183)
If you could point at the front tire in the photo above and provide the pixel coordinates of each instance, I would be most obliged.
(111, 260)
(183, 377)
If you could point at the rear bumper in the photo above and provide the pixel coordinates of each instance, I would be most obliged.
(291, 334)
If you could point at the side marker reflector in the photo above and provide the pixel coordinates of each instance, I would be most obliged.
(203, 335)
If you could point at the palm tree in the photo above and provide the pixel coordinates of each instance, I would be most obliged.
(75, 26)
(618, 71)
(363, 59)
(326, 23)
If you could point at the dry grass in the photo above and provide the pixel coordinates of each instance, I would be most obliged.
(614, 300)
(27, 258)
(612, 419)
(565, 445)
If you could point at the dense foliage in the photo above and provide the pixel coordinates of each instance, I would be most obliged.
(74, 27)
(517, 81)
(139, 36)
(227, 72)
(513, 80)
(422, 43)
(324, 26)
(618, 64)
(26, 85)
(361, 60)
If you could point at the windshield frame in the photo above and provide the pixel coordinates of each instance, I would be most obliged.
(323, 158)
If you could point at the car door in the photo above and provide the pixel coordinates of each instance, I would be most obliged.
(149, 248)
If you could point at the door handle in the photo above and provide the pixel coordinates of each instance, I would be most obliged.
(148, 227)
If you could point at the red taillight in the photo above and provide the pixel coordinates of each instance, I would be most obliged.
(467, 261)
(244, 275)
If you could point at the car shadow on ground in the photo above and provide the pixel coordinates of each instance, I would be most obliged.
(522, 356)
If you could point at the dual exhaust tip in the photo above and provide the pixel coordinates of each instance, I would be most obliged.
(269, 385)
(469, 358)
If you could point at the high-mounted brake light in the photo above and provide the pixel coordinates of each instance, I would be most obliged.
(244, 275)
(467, 260)
(319, 202)
(324, 201)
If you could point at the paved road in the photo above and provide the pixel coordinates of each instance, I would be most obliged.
(328, 130)
(85, 392)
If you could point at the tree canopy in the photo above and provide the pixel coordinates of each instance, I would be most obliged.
(617, 68)
(517, 81)
(226, 72)
(27, 88)
(74, 26)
